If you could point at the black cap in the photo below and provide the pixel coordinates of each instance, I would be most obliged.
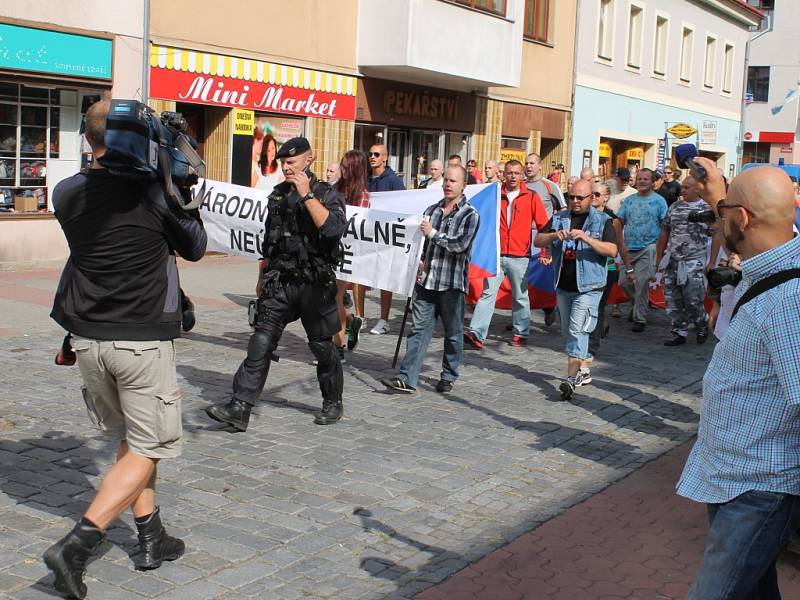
(293, 147)
(623, 173)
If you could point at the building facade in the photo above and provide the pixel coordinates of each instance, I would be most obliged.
(53, 65)
(651, 75)
(771, 124)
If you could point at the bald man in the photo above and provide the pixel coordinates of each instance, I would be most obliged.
(435, 175)
(587, 174)
(490, 172)
(745, 464)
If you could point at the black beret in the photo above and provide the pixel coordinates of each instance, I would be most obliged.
(293, 147)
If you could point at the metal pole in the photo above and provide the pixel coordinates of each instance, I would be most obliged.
(402, 330)
(146, 53)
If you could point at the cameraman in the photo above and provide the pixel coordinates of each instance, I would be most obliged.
(305, 223)
(745, 464)
(119, 297)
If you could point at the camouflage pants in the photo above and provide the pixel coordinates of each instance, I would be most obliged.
(685, 300)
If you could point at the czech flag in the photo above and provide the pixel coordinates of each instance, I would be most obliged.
(485, 259)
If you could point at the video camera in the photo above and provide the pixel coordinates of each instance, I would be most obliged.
(139, 144)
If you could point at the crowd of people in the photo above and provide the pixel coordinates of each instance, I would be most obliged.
(120, 300)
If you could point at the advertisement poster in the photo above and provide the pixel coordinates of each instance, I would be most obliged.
(254, 163)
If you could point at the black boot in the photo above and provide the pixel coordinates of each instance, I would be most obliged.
(236, 414)
(67, 558)
(332, 411)
(155, 546)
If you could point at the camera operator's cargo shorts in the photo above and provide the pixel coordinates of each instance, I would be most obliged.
(131, 393)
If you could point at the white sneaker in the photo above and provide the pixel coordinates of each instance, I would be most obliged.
(584, 376)
(380, 328)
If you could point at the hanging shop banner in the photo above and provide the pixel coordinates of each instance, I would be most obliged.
(507, 154)
(635, 154)
(604, 150)
(708, 133)
(661, 154)
(217, 80)
(56, 52)
(243, 121)
(681, 130)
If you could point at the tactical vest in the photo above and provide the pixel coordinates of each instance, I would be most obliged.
(292, 243)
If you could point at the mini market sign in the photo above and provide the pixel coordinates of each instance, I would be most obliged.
(681, 130)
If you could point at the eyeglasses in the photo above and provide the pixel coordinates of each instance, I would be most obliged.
(374, 153)
(576, 197)
(721, 205)
(598, 194)
(667, 172)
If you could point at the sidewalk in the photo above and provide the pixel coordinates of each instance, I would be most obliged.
(636, 540)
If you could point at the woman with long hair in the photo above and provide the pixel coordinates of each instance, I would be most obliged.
(352, 184)
(258, 145)
(269, 171)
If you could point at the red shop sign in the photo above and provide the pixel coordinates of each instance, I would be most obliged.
(183, 86)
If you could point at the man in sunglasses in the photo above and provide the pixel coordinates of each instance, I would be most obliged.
(745, 464)
(581, 240)
(641, 216)
(382, 179)
(671, 186)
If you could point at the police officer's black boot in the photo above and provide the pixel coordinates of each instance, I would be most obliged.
(67, 558)
(332, 411)
(155, 546)
(235, 413)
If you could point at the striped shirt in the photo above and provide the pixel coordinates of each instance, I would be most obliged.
(749, 435)
(446, 254)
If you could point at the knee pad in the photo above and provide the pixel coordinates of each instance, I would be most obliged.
(260, 346)
(323, 350)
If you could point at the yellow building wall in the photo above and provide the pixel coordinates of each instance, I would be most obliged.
(546, 77)
(319, 33)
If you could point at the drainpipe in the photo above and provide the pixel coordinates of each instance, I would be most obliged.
(740, 145)
(571, 137)
(146, 53)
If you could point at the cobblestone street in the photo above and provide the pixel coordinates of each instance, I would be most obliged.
(404, 492)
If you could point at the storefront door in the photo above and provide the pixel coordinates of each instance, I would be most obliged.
(398, 148)
(424, 148)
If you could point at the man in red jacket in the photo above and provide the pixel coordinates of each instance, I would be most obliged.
(520, 211)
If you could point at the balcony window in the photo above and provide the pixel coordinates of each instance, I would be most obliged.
(605, 30)
(727, 80)
(494, 7)
(758, 83)
(634, 54)
(687, 40)
(660, 50)
(537, 20)
(709, 71)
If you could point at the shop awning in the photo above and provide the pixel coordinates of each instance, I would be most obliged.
(220, 80)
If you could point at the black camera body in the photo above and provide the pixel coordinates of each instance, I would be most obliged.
(722, 276)
(139, 144)
(702, 216)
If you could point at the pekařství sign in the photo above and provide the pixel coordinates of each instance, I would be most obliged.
(202, 78)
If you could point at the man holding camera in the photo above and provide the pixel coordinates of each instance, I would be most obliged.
(119, 296)
(681, 257)
(305, 223)
(745, 464)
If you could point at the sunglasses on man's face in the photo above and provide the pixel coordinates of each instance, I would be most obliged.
(579, 198)
(375, 154)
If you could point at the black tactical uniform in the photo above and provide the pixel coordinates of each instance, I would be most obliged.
(299, 283)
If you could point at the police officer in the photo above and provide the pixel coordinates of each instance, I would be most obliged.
(304, 226)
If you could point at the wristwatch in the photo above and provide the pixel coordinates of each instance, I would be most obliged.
(308, 196)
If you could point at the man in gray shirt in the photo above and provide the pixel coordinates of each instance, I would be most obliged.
(549, 192)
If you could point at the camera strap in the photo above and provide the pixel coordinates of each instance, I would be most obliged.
(764, 285)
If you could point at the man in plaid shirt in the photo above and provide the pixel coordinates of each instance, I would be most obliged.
(449, 227)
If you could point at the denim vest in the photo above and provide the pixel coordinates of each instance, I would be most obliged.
(590, 266)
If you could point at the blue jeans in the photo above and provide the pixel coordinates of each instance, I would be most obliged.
(745, 537)
(578, 319)
(426, 306)
(517, 271)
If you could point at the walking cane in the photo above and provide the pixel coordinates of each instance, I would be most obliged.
(402, 329)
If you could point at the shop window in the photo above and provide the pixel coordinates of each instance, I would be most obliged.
(660, 49)
(605, 30)
(537, 20)
(710, 67)
(494, 7)
(30, 135)
(727, 77)
(633, 56)
(368, 135)
(755, 152)
(758, 83)
(687, 51)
